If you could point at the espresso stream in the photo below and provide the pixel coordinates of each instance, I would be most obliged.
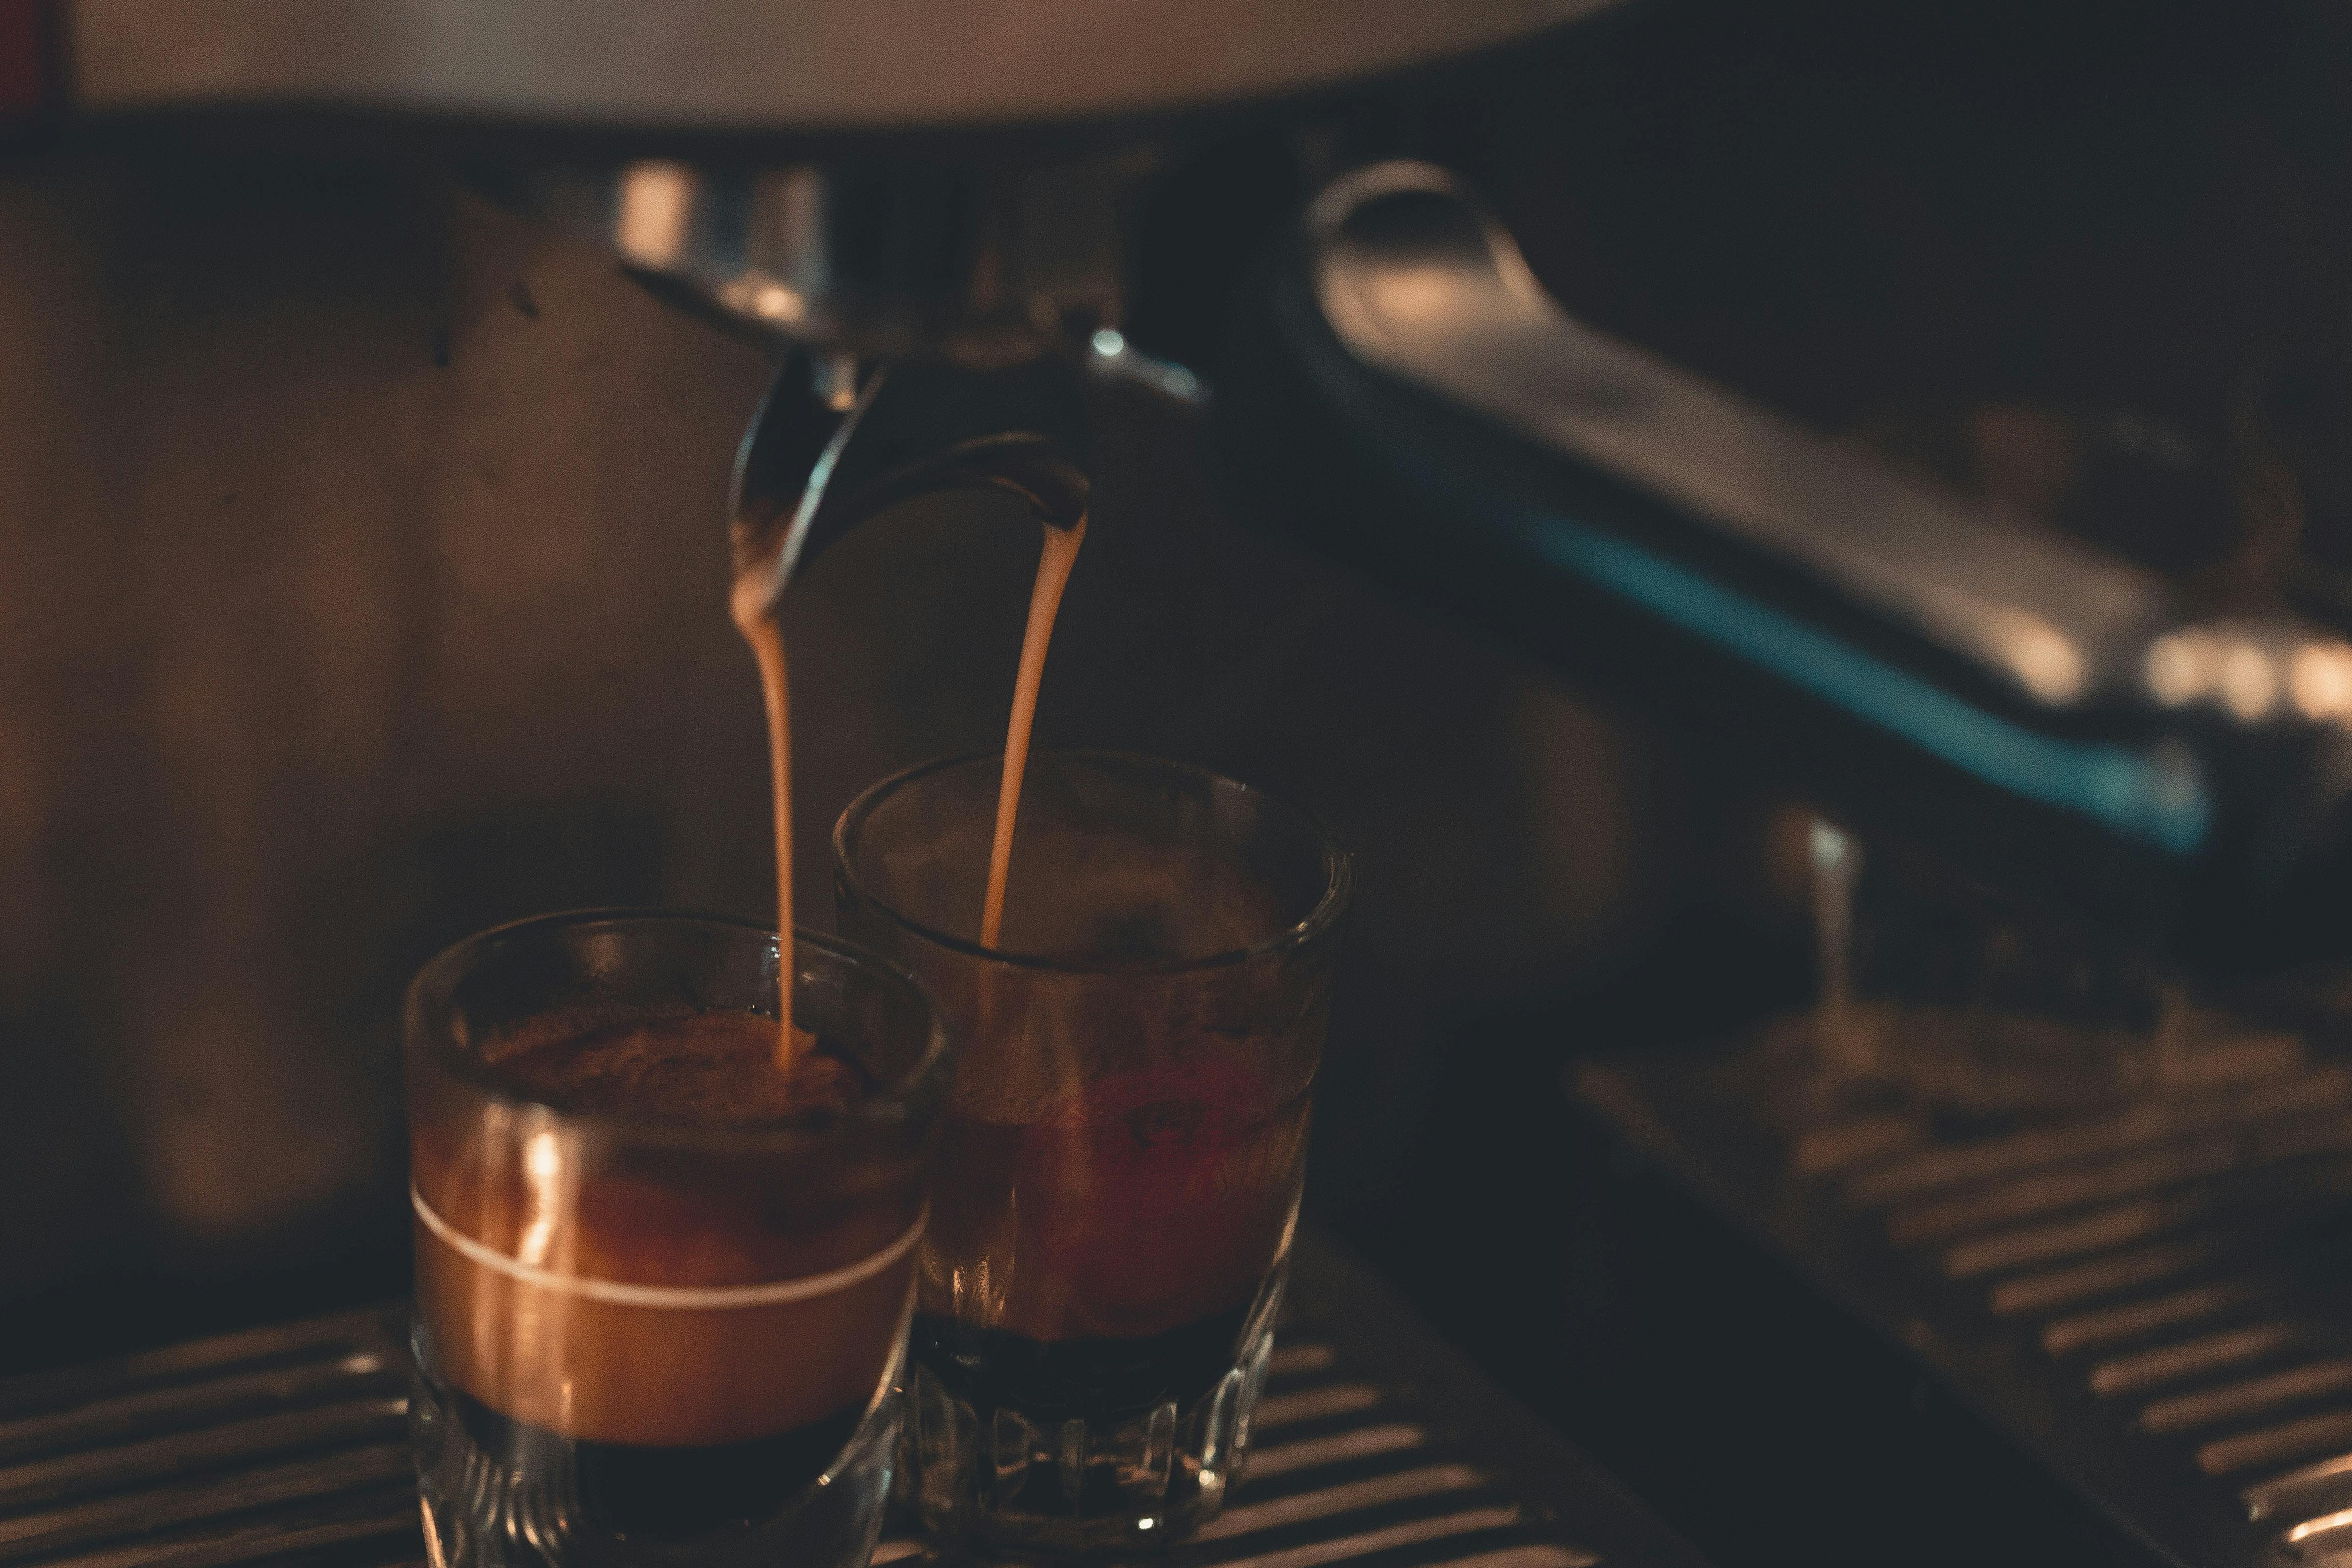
(760, 627)
(1054, 564)
(755, 604)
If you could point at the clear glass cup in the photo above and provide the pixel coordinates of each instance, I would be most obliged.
(642, 1339)
(1124, 1142)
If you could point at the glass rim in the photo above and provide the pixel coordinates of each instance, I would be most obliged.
(1338, 870)
(885, 1106)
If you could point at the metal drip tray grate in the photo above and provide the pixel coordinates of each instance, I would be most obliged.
(2154, 1299)
(289, 1446)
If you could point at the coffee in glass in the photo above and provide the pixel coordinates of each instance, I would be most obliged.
(662, 1282)
(1126, 1137)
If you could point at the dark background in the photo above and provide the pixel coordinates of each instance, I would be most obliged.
(361, 554)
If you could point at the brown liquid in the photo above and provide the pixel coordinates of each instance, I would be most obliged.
(754, 607)
(753, 603)
(530, 1344)
(1054, 562)
(1139, 1203)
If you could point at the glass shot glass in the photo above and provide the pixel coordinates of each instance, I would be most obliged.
(667, 1335)
(1124, 1144)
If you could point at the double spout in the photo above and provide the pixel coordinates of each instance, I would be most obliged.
(832, 446)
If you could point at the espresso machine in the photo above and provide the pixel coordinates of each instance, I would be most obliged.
(2111, 1284)
(963, 192)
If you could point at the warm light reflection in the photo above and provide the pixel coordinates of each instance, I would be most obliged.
(2249, 670)
(542, 1167)
(2319, 682)
(2180, 668)
(767, 299)
(777, 302)
(656, 201)
(1407, 295)
(2248, 682)
(2045, 658)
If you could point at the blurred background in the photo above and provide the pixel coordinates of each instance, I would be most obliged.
(363, 567)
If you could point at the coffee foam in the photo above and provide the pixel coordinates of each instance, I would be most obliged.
(715, 1068)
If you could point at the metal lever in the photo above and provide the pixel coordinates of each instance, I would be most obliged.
(1408, 396)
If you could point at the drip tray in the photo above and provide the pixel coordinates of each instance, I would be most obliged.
(1375, 1446)
(2150, 1300)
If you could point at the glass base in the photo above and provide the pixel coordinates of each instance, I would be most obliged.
(982, 1463)
(497, 1493)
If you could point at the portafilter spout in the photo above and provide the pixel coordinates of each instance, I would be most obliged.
(832, 446)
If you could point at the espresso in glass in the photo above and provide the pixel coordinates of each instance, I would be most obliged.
(1126, 1138)
(662, 1273)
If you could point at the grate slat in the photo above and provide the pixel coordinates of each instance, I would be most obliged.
(2190, 1358)
(291, 1442)
(2152, 1289)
